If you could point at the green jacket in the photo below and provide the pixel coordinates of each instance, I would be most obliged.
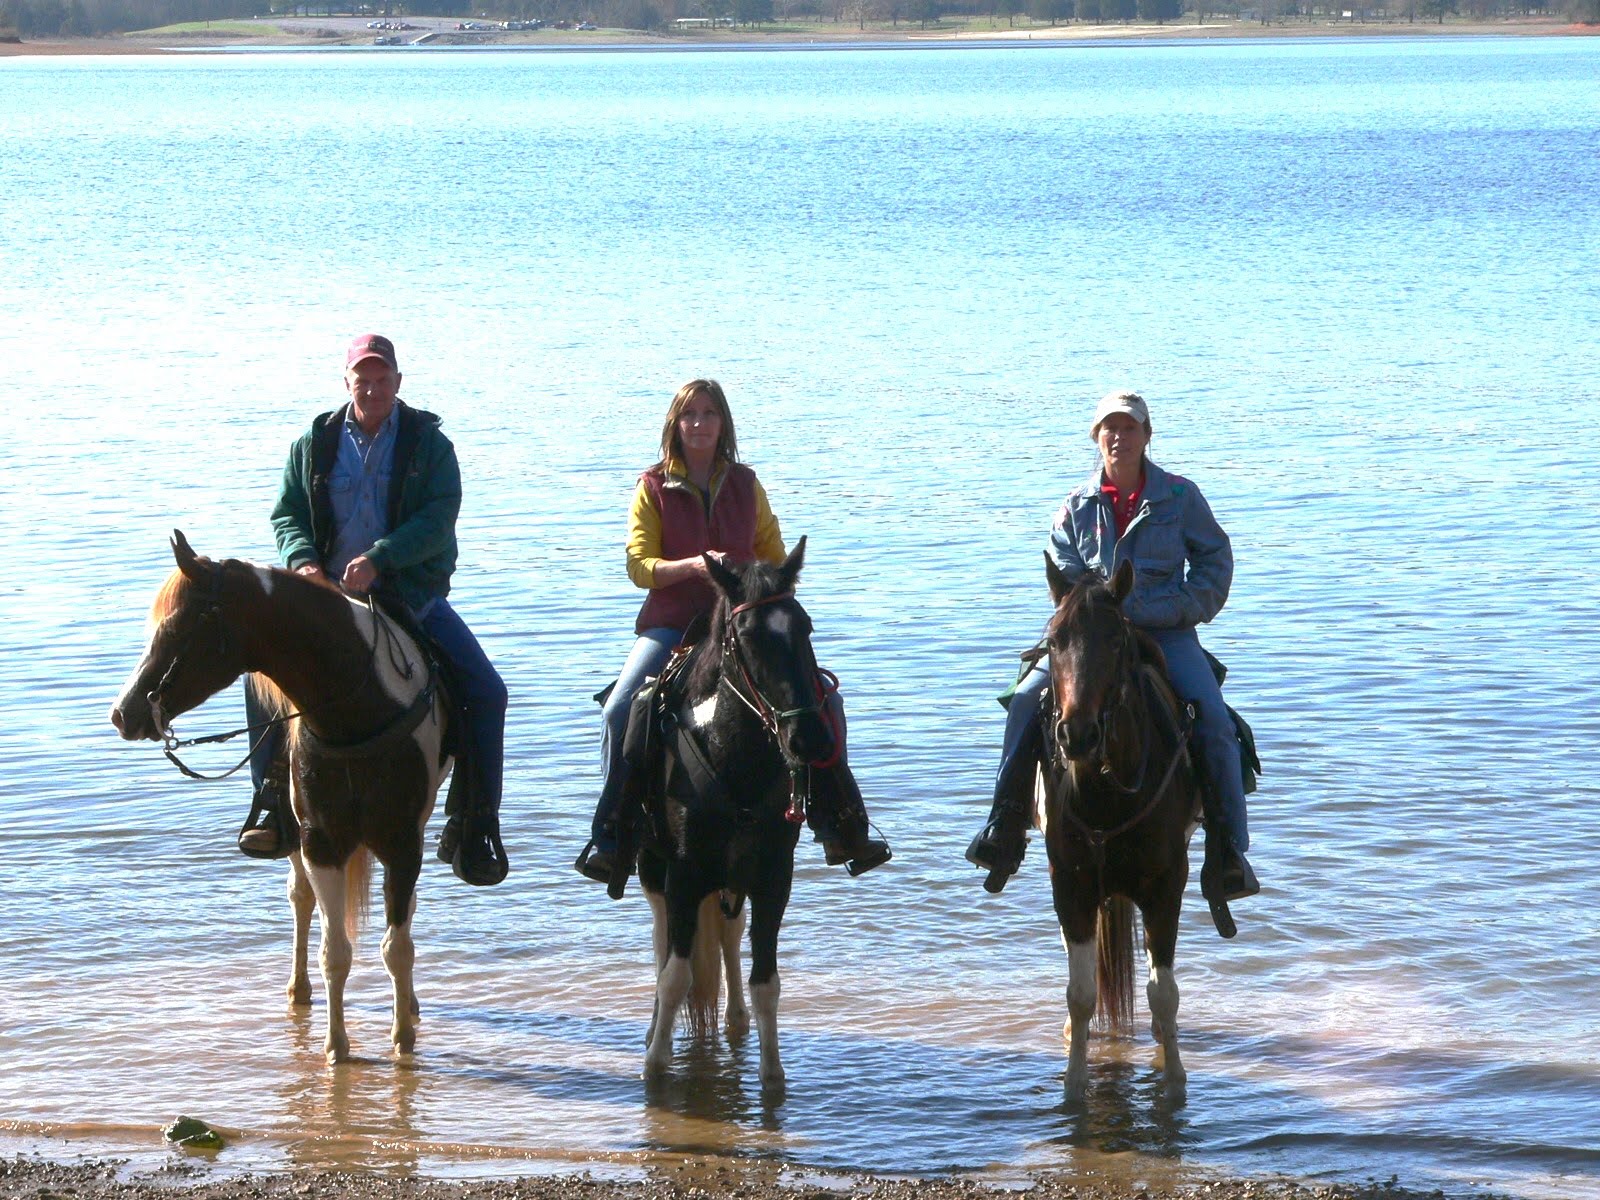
(418, 555)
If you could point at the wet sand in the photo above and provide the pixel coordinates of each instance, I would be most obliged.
(689, 1179)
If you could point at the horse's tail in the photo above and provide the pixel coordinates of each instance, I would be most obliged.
(705, 965)
(357, 891)
(1114, 949)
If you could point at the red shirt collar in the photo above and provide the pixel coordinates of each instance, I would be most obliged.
(1122, 507)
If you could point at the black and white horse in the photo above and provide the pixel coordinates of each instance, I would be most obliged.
(748, 711)
(366, 752)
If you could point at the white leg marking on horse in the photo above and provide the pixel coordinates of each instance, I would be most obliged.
(1162, 993)
(328, 883)
(658, 944)
(764, 999)
(1080, 1007)
(672, 985)
(302, 900)
(736, 1020)
(399, 958)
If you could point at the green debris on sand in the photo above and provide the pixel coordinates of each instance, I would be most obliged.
(193, 1134)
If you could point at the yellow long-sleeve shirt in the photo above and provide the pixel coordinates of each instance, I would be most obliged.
(644, 527)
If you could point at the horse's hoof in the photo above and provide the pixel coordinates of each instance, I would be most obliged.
(653, 1069)
(300, 993)
(736, 1024)
(773, 1079)
(337, 1055)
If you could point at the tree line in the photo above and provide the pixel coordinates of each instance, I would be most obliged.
(85, 18)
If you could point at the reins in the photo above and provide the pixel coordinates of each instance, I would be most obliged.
(400, 727)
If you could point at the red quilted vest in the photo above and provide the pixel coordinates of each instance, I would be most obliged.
(687, 530)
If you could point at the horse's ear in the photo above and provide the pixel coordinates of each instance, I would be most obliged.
(726, 579)
(1122, 580)
(791, 565)
(1059, 584)
(188, 560)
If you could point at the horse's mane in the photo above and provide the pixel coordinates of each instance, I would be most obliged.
(759, 579)
(269, 695)
(1089, 592)
(171, 596)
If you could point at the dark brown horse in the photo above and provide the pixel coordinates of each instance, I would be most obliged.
(1120, 803)
(365, 752)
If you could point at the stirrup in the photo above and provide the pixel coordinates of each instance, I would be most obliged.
(987, 853)
(595, 863)
(269, 818)
(483, 871)
(1232, 880)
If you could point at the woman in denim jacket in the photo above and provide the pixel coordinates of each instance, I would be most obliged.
(1132, 510)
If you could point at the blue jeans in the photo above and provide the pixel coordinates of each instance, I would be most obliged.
(484, 701)
(648, 656)
(1193, 681)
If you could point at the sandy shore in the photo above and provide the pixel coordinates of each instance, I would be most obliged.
(339, 31)
(693, 1179)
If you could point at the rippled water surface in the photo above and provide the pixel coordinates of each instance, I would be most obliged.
(1357, 283)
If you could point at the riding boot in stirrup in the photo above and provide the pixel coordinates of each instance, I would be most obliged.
(270, 831)
(470, 839)
(837, 815)
(1000, 846)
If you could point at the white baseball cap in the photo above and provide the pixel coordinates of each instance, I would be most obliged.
(1119, 402)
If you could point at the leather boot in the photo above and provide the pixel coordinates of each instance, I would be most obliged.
(1001, 844)
(837, 815)
(1226, 873)
(470, 840)
(270, 831)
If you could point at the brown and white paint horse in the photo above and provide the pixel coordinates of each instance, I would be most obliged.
(365, 754)
(1119, 803)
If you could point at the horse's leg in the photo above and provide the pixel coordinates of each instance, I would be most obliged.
(1078, 931)
(658, 942)
(676, 973)
(399, 952)
(736, 1020)
(767, 905)
(328, 884)
(302, 900)
(1161, 941)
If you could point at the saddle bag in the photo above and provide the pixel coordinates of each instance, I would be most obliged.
(640, 729)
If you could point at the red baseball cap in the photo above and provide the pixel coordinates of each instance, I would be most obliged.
(371, 345)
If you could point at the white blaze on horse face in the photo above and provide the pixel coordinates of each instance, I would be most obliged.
(780, 621)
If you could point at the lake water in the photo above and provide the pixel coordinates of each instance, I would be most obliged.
(1357, 282)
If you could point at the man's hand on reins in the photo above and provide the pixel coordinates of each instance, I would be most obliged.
(360, 575)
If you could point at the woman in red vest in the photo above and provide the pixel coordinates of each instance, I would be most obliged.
(699, 498)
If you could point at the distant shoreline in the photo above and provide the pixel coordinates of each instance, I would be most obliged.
(305, 33)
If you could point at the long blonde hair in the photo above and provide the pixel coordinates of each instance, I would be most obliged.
(672, 444)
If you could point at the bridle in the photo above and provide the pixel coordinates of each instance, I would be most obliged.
(210, 612)
(1128, 660)
(768, 713)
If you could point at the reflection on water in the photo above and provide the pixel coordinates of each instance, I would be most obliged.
(1348, 276)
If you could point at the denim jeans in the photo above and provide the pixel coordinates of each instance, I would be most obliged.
(485, 702)
(1193, 681)
(648, 656)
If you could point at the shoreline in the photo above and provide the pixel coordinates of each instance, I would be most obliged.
(350, 33)
(196, 1177)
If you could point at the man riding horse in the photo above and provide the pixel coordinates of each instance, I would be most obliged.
(369, 500)
(1132, 511)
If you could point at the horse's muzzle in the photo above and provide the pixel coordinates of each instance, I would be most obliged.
(134, 721)
(1077, 737)
(808, 739)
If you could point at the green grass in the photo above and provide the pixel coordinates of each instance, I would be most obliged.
(184, 28)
